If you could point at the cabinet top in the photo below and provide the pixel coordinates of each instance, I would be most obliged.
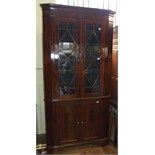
(50, 7)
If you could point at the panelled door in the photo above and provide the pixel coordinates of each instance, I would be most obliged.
(94, 119)
(65, 122)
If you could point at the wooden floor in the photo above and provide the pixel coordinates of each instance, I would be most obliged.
(89, 149)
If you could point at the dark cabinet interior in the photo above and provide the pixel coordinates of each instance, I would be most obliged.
(77, 56)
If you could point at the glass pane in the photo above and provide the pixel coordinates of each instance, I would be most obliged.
(67, 58)
(92, 58)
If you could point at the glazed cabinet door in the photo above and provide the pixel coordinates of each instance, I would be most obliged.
(65, 122)
(94, 120)
(93, 43)
(66, 57)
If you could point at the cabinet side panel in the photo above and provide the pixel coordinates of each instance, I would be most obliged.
(49, 124)
(46, 56)
(108, 59)
(47, 41)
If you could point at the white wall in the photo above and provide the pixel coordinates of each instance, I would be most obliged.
(39, 69)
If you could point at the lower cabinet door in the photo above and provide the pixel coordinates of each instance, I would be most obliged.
(94, 119)
(79, 121)
(65, 122)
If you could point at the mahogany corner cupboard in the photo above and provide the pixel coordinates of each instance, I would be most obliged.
(77, 52)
